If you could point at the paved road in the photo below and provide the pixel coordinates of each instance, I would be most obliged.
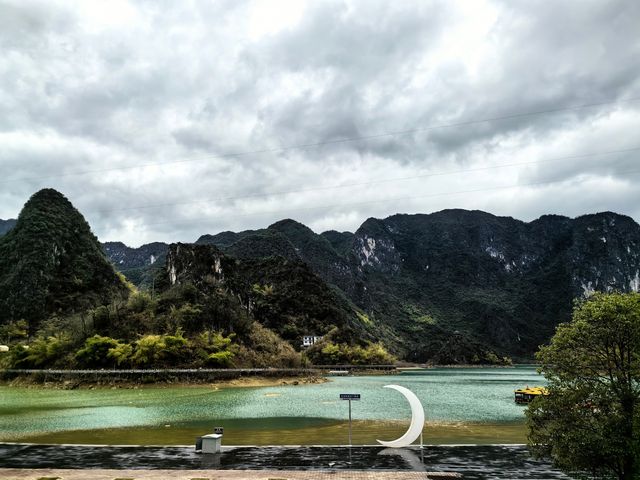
(6, 474)
(479, 462)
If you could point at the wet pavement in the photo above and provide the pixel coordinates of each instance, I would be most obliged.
(473, 462)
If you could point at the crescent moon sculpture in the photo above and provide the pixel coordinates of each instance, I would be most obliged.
(417, 419)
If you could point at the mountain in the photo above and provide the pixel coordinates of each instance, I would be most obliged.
(283, 295)
(140, 264)
(289, 239)
(455, 286)
(439, 285)
(51, 263)
(6, 225)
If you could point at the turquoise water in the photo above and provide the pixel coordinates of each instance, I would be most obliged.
(466, 395)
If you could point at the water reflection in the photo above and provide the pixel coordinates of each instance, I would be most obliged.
(414, 459)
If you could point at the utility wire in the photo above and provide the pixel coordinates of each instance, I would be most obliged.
(333, 142)
(361, 184)
(371, 202)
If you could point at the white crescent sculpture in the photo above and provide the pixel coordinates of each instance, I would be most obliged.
(417, 419)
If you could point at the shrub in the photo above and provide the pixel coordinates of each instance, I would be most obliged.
(213, 348)
(14, 331)
(327, 352)
(95, 352)
(121, 354)
(148, 350)
(161, 350)
(221, 359)
(264, 348)
(41, 352)
(139, 302)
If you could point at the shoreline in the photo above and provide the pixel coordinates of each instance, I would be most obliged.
(221, 378)
(137, 378)
(251, 381)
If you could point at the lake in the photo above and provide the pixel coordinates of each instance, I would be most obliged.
(462, 405)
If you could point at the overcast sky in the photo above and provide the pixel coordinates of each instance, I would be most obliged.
(167, 120)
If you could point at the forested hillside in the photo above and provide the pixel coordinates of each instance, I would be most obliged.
(440, 284)
(52, 264)
(454, 286)
(63, 304)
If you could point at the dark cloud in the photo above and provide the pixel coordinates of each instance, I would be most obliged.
(178, 89)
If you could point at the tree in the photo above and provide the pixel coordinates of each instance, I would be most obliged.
(148, 351)
(13, 331)
(41, 352)
(95, 352)
(160, 350)
(215, 349)
(121, 354)
(590, 421)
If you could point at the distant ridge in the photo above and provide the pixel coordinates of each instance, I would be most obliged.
(6, 225)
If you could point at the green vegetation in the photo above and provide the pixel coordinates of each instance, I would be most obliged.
(263, 348)
(142, 332)
(448, 288)
(216, 312)
(364, 318)
(95, 352)
(13, 331)
(51, 263)
(288, 298)
(418, 316)
(590, 421)
(328, 351)
(454, 286)
(42, 352)
(497, 285)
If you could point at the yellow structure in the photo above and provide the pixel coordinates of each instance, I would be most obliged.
(526, 395)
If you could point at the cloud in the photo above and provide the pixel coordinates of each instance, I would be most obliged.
(166, 120)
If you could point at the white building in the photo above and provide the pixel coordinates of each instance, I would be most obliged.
(309, 340)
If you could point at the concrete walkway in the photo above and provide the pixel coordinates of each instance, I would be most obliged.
(96, 474)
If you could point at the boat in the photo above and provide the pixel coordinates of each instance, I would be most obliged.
(527, 394)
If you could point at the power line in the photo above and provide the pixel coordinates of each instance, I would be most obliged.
(360, 184)
(371, 202)
(333, 142)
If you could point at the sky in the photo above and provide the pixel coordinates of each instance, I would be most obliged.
(166, 120)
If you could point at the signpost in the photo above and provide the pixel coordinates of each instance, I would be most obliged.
(350, 396)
